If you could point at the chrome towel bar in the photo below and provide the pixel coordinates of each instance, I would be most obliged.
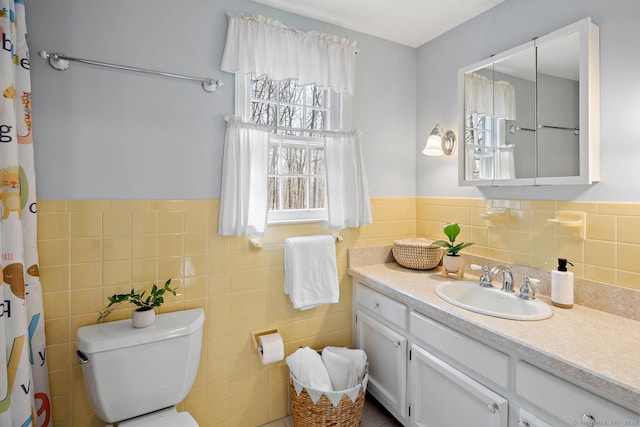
(60, 62)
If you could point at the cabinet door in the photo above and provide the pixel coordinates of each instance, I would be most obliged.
(387, 354)
(443, 396)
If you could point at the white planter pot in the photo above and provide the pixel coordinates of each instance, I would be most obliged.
(143, 318)
(453, 264)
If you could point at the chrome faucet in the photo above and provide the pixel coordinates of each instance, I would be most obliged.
(507, 277)
(526, 291)
(485, 279)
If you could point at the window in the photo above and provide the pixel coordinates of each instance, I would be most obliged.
(299, 114)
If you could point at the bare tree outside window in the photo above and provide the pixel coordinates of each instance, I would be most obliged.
(296, 154)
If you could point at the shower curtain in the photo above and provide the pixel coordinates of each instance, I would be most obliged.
(24, 388)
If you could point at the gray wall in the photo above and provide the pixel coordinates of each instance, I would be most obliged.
(106, 134)
(508, 25)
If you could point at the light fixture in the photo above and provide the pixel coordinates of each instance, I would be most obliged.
(440, 142)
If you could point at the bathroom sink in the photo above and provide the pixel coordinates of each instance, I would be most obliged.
(492, 301)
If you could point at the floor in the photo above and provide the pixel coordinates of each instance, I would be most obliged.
(374, 415)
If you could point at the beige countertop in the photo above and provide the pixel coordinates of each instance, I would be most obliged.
(594, 349)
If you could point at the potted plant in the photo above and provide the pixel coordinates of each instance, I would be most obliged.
(452, 261)
(144, 315)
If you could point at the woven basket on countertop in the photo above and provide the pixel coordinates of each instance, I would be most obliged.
(417, 253)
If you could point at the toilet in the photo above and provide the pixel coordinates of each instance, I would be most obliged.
(136, 377)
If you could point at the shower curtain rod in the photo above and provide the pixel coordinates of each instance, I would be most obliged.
(60, 62)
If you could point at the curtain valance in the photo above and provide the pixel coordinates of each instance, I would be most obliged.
(484, 96)
(262, 46)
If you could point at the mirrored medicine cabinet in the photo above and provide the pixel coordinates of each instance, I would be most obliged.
(531, 114)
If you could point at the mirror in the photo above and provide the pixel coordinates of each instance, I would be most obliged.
(531, 113)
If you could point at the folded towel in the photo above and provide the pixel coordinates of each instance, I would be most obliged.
(341, 369)
(310, 271)
(307, 367)
(357, 356)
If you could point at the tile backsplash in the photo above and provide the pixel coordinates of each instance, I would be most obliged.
(90, 249)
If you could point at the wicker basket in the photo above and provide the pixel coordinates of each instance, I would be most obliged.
(322, 413)
(417, 253)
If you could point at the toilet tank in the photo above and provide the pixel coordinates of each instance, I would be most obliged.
(130, 372)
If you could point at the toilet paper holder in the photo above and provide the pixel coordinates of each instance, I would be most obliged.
(256, 334)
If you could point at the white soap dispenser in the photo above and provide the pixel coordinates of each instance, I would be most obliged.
(562, 285)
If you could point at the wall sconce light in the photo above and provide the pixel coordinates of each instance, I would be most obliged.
(440, 142)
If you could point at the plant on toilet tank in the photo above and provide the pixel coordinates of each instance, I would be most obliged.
(452, 262)
(144, 315)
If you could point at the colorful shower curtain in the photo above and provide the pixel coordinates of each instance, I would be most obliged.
(24, 388)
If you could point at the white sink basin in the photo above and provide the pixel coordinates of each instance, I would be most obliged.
(492, 301)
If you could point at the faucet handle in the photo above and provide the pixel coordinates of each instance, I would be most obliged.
(485, 279)
(526, 291)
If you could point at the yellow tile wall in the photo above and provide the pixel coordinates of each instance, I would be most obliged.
(92, 249)
(608, 253)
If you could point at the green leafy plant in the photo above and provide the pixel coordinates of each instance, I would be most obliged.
(451, 230)
(155, 298)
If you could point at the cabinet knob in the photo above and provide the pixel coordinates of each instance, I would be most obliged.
(376, 305)
(397, 344)
(587, 420)
(493, 408)
(524, 424)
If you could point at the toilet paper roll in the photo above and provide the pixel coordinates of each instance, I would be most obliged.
(270, 348)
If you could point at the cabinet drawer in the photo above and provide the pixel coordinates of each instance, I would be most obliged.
(387, 308)
(566, 401)
(470, 353)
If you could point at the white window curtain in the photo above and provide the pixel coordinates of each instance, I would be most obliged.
(347, 192)
(243, 204)
(263, 46)
(489, 97)
(243, 201)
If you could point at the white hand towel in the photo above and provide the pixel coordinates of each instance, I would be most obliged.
(310, 271)
(341, 370)
(307, 367)
(357, 356)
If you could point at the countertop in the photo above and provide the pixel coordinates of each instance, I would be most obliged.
(594, 349)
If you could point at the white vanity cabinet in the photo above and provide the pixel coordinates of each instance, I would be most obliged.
(429, 375)
(386, 347)
(571, 405)
(443, 395)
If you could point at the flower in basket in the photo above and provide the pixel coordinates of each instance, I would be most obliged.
(451, 230)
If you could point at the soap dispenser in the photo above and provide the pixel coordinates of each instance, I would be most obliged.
(562, 285)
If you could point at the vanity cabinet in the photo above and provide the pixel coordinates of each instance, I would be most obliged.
(569, 404)
(441, 395)
(428, 374)
(439, 390)
(386, 348)
(530, 115)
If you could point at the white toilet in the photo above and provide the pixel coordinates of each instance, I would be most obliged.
(136, 377)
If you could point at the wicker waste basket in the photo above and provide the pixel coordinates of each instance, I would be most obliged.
(317, 408)
(417, 253)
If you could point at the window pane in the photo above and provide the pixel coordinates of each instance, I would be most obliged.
(316, 97)
(274, 158)
(316, 193)
(294, 193)
(264, 88)
(315, 119)
(291, 93)
(316, 161)
(290, 116)
(274, 183)
(294, 160)
(263, 113)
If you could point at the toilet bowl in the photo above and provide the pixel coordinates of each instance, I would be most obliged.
(136, 377)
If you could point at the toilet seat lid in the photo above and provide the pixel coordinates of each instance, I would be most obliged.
(175, 419)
